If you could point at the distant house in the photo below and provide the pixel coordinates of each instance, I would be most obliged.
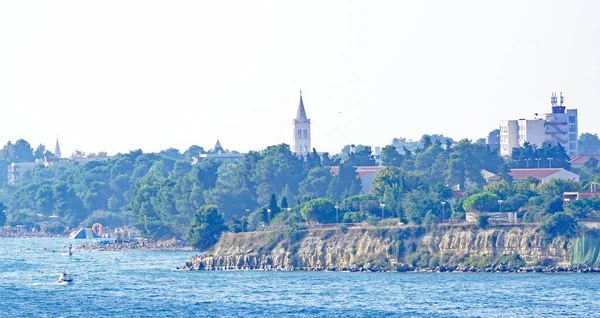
(567, 196)
(543, 174)
(580, 160)
(366, 174)
(220, 153)
(17, 169)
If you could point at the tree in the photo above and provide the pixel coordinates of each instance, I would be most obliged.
(284, 203)
(481, 202)
(319, 210)
(591, 163)
(316, 183)
(273, 205)
(22, 151)
(390, 156)
(362, 156)
(206, 228)
(589, 144)
(416, 204)
(560, 224)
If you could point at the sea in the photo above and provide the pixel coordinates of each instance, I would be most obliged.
(140, 283)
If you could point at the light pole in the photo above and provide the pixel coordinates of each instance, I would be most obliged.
(500, 203)
(538, 160)
(336, 213)
(550, 162)
(382, 208)
(269, 214)
(247, 211)
(443, 211)
(527, 160)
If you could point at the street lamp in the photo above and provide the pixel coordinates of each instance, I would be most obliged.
(550, 162)
(247, 211)
(269, 214)
(538, 160)
(527, 160)
(336, 213)
(382, 208)
(443, 210)
(500, 203)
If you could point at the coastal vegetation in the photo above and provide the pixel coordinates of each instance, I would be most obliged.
(166, 195)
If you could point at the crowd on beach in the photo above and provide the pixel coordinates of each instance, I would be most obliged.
(18, 232)
(140, 244)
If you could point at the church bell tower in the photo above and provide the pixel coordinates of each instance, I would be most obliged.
(301, 144)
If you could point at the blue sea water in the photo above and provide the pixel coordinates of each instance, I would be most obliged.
(146, 284)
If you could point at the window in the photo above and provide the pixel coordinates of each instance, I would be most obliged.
(572, 119)
(572, 137)
(572, 146)
(299, 133)
(305, 134)
(572, 128)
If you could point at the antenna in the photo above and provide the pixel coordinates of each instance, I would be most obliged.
(562, 99)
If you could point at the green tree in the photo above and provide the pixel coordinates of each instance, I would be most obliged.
(390, 156)
(481, 202)
(416, 204)
(560, 224)
(591, 163)
(207, 227)
(316, 183)
(589, 144)
(319, 210)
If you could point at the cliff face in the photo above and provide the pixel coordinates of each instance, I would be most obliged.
(383, 249)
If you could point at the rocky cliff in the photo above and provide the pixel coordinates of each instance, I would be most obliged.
(408, 248)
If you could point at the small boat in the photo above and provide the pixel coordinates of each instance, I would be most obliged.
(65, 278)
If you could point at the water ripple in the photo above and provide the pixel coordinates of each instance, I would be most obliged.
(143, 284)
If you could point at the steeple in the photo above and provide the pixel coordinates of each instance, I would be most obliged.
(301, 114)
(301, 141)
(57, 149)
(218, 148)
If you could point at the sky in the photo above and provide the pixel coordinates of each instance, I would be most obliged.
(124, 75)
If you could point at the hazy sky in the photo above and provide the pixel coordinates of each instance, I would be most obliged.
(157, 74)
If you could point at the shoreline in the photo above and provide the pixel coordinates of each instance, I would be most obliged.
(404, 268)
(134, 245)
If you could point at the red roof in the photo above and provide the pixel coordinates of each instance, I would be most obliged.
(521, 174)
(580, 160)
(579, 195)
(362, 171)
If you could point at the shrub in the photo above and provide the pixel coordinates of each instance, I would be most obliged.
(560, 224)
(320, 210)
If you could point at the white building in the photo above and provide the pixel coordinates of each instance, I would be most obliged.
(301, 144)
(558, 127)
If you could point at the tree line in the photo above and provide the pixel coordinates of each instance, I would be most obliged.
(165, 195)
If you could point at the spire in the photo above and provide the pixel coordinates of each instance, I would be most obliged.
(301, 114)
(218, 148)
(57, 149)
